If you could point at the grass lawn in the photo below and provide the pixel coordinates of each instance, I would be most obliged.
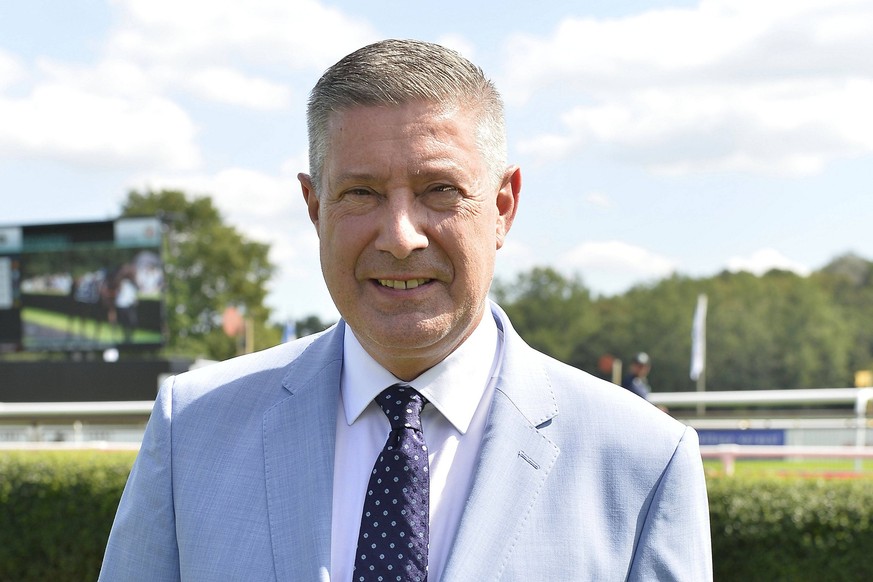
(61, 323)
(798, 468)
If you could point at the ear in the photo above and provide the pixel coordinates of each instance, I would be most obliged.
(310, 197)
(507, 202)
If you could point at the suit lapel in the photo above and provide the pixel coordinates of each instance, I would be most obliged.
(299, 442)
(514, 463)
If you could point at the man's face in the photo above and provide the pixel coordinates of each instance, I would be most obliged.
(409, 221)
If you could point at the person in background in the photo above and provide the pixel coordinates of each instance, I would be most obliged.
(637, 378)
(126, 302)
(419, 438)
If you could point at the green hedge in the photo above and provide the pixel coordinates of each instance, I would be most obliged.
(56, 510)
(778, 529)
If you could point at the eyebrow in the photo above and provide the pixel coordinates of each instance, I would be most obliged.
(438, 168)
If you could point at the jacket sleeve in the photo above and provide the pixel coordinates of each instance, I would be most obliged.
(674, 543)
(142, 544)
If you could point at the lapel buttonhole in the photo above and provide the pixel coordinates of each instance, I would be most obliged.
(528, 460)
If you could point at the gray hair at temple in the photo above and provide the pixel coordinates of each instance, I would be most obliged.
(396, 72)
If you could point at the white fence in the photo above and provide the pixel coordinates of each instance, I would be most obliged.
(72, 424)
(824, 423)
(841, 419)
(843, 408)
(74, 410)
(858, 398)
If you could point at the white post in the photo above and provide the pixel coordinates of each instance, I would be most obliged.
(616, 371)
(864, 397)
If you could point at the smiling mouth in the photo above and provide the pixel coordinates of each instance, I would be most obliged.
(396, 284)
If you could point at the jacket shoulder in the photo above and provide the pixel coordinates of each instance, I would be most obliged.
(259, 373)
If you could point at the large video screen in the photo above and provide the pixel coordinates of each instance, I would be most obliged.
(82, 286)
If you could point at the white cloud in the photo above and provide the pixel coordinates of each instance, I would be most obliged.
(764, 86)
(295, 164)
(764, 260)
(598, 199)
(189, 33)
(125, 77)
(605, 266)
(111, 77)
(262, 205)
(10, 69)
(513, 258)
(118, 111)
(69, 123)
(614, 266)
(259, 44)
(618, 257)
(545, 147)
(228, 86)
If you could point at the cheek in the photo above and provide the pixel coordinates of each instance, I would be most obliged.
(335, 248)
(343, 233)
(473, 258)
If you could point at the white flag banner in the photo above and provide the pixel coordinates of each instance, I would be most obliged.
(698, 338)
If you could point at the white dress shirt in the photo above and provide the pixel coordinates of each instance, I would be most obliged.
(459, 391)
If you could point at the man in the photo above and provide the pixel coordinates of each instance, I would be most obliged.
(260, 468)
(636, 380)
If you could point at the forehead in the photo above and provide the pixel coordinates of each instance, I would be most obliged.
(421, 116)
(416, 132)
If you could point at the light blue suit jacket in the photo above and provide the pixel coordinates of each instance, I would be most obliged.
(578, 479)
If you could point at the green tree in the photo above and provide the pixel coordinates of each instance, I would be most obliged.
(779, 330)
(848, 280)
(661, 320)
(209, 266)
(552, 313)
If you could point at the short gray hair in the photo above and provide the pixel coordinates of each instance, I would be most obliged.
(396, 72)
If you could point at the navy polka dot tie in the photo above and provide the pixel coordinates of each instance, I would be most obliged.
(393, 540)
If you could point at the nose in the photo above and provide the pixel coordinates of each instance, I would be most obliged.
(402, 228)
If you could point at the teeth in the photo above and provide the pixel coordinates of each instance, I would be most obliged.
(410, 284)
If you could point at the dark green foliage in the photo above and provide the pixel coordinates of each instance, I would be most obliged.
(56, 510)
(552, 310)
(210, 266)
(791, 529)
(779, 330)
(311, 324)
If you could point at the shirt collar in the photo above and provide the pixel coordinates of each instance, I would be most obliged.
(454, 386)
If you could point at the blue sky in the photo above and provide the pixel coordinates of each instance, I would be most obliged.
(654, 137)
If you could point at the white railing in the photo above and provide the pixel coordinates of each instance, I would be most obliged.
(41, 414)
(63, 425)
(74, 410)
(859, 397)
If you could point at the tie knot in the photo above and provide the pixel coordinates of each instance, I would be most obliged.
(402, 404)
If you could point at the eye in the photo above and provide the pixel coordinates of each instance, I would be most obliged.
(444, 193)
(358, 192)
(445, 188)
